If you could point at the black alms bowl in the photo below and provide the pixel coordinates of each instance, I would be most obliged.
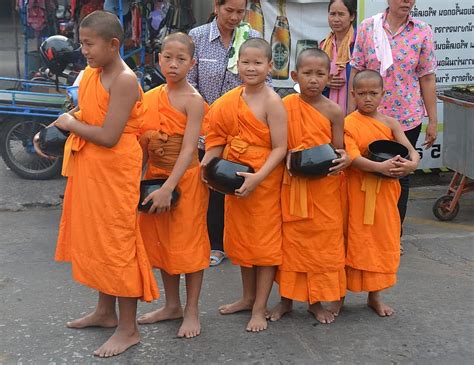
(149, 186)
(314, 161)
(52, 140)
(222, 176)
(383, 150)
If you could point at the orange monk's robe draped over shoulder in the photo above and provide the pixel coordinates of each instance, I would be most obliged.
(252, 225)
(176, 241)
(313, 242)
(99, 231)
(373, 248)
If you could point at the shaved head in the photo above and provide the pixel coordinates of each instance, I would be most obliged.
(367, 75)
(106, 25)
(258, 43)
(313, 52)
(181, 38)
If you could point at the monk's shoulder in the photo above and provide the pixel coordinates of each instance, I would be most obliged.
(271, 98)
(350, 122)
(391, 122)
(330, 110)
(125, 82)
(193, 102)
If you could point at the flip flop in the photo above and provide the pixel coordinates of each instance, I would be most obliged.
(216, 260)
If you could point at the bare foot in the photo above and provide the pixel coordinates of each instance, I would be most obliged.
(335, 307)
(238, 306)
(375, 302)
(162, 314)
(94, 319)
(321, 314)
(285, 306)
(191, 327)
(120, 341)
(257, 322)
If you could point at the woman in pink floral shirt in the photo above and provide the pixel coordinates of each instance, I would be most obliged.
(409, 81)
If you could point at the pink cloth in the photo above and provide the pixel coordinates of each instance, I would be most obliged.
(339, 96)
(413, 57)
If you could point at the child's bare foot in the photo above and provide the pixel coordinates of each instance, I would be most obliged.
(162, 314)
(238, 306)
(321, 314)
(335, 307)
(95, 319)
(191, 327)
(120, 341)
(283, 307)
(257, 322)
(375, 302)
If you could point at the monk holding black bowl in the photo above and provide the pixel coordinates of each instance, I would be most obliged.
(373, 247)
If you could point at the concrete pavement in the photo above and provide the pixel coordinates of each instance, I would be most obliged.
(433, 300)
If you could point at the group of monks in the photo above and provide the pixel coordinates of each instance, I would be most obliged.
(314, 237)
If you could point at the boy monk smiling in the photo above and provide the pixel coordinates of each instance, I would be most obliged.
(248, 125)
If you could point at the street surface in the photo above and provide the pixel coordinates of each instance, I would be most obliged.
(433, 323)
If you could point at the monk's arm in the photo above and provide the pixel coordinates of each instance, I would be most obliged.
(195, 113)
(403, 166)
(211, 153)
(278, 123)
(123, 96)
(366, 165)
(337, 128)
(350, 98)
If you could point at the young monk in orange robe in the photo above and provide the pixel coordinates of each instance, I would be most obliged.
(99, 231)
(248, 125)
(373, 249)
(313, 244)
(176, 237)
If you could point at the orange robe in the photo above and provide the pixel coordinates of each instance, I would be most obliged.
(313, 242)
(99, 231)
(373, 248)
(252, 225)
(176, 241)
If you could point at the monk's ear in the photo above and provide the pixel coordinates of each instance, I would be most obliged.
(270, 64)
(383, 92)
(193, 62)
(159, 59)
(115, 43)
(330, 77)
(294, 75)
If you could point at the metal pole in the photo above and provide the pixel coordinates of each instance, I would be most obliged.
(17, 47)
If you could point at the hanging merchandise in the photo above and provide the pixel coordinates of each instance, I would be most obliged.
(113, 6)
(88, 6)
(136, 25)
(179, 18)
(36, 16)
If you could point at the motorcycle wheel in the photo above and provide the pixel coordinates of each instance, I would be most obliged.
(16, 148)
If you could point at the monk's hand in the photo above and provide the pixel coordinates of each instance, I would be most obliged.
(342, 163)
(65, 121)
(430, 134)
(250, 183)
(386, 166)
(337, 82)
(403, 167)
(38, 149)
(161, 200)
